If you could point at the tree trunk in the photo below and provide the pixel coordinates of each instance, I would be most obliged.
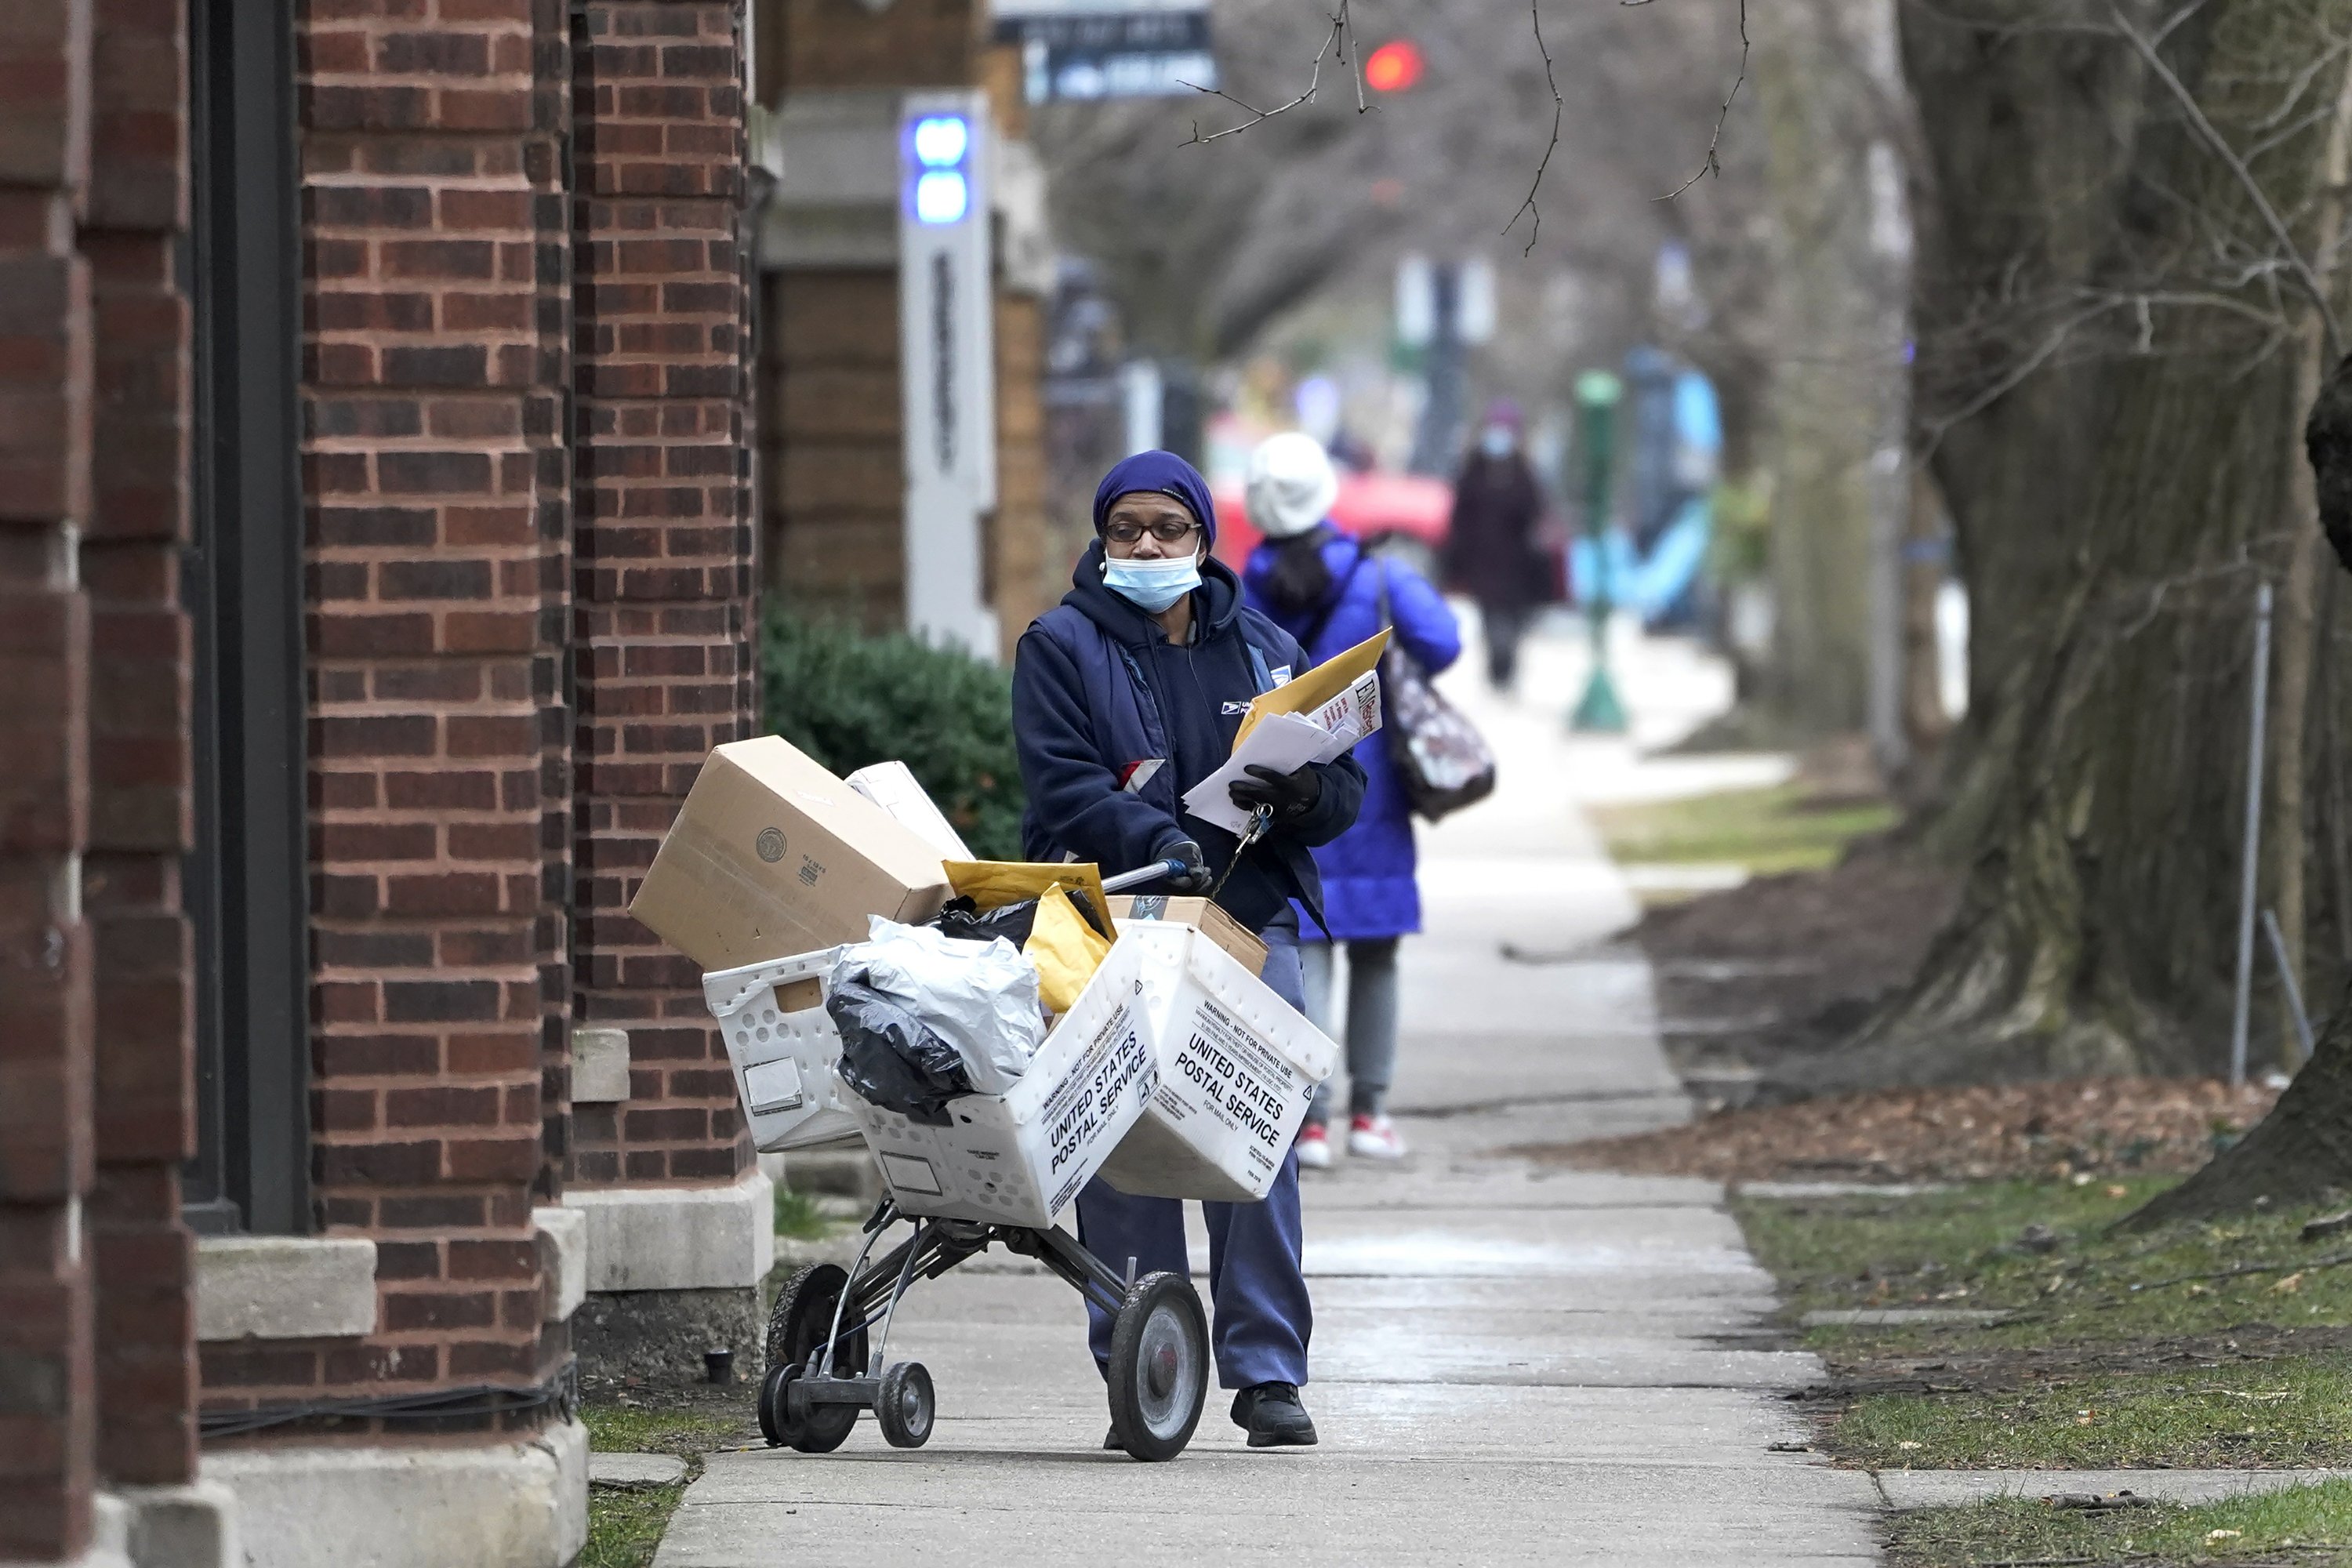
(2304, 1147)
(2301, 1150)
(2019, 182)
(2110, 570)
(2291, 712)
(1841, 244)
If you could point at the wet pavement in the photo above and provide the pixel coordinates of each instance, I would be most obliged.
(1511, 1364)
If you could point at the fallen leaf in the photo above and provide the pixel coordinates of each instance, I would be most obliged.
(2116, 1190)
(2288, 1286)
(1909, 1445)
(2223, 1534)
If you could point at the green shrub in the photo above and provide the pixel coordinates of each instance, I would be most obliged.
(848, 700)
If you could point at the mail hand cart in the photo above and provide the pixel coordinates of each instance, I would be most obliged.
(821, 1372)
(997, 1177)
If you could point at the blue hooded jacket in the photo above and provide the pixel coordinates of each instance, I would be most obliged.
(1113, 724)
(1369, 886)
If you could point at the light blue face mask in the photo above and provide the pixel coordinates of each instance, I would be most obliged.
(1496, 440)
(1152, 586)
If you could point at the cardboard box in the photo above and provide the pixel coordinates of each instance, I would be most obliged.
(773, 856)
(1210, 918)
(783, 1046)
(1238, 1067)
(1020, 1158)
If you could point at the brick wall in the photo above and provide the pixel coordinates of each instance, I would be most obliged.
(96, 1350)
(46, 1417)
(832, 466)
(140, 767)
(433, 480)
(847, 43)
(663, 585)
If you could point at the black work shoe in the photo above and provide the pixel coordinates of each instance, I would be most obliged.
(1113, 1443)
(1270, 1412)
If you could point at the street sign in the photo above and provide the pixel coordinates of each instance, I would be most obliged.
(1083, 49)
(947, 364)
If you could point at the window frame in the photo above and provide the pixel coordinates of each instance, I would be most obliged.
(246, 882)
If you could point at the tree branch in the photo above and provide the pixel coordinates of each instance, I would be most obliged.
(1342, 34)
(1715, 142)
(1535, 20)
(1338, 32)
(2297, 262)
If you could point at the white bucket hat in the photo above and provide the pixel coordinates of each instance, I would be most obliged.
(1291, 485)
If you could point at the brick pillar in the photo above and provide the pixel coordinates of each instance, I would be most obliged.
(429, 154)
(46, 1374)
(835, 468)
(663, 612)
(141, 808)
(1028, 577)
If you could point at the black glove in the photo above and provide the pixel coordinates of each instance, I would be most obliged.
(1195, 876)
(1289, 795)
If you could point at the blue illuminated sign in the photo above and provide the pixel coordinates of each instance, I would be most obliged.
(941, 196)
(941, 141)
(939, 169)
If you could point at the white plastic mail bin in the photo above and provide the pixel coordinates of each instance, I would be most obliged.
(1020, 1158)
(1238, 1068)
(783, 1046)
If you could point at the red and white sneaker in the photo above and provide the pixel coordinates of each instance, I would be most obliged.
(1314, 1148)
(1374, 1138)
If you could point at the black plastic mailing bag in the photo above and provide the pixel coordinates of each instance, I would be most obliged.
(892, 1057)
(959, 919)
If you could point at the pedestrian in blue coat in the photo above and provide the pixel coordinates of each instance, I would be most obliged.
(1125, 695)
(1327, 591)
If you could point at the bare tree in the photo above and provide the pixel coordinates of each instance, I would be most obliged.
(2106, 381)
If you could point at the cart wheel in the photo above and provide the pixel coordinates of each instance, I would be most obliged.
(1159, 1366)
(904, 1407)
(802, 1316)
(825, 1428)
(797, 1325)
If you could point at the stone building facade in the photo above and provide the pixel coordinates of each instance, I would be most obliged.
(377, 564)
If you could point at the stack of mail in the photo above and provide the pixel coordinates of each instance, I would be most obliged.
(1318, 718)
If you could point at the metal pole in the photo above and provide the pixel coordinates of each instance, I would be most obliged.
(2287, 980)
(1599, 711)
(2253, 837)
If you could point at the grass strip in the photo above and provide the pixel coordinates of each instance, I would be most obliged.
(2045, 1251)
(2203, 1344)
(625, 1527)
(2311, 1524)
(625, 1524)
(2289, 1414)
(1765, 830)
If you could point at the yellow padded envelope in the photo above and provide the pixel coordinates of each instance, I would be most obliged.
(1310, 690)
(1066, 951)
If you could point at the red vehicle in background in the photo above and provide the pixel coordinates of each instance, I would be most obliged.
(1409, 513)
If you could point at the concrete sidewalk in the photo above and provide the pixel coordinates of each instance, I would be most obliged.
(1511, 1366)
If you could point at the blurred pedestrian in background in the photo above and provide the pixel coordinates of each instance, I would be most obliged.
(1490, 549)
(1330, 593)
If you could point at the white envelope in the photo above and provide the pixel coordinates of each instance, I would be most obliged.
(1282, 741)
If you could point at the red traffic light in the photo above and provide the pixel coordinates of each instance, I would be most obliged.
(1393, 67)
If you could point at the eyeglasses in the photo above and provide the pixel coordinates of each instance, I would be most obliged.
(1168, 531)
